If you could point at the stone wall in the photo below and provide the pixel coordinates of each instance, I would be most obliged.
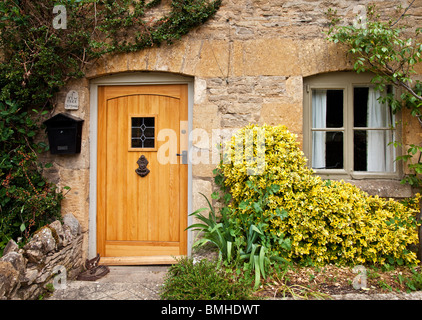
(248, 64)
(29, 273)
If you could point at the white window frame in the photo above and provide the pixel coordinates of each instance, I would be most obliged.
(346, 81)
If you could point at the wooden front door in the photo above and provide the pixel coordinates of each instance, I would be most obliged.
(141, 180)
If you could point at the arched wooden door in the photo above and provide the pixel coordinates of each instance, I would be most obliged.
(141, 177)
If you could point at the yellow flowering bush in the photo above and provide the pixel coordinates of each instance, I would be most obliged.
(305, 218)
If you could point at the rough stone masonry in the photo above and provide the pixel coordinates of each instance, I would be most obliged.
(27, 273)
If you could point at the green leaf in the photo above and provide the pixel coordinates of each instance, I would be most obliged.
(193, 213)
(262, 260)
(48, 165)
(254, 228)
(257, 272)
(286, 244)
(275, 188)
(257, 207)
(215, 195)
(227, 197)
(229, 250)
(244, 205)
(281, 213)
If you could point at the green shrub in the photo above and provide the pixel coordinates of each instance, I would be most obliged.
(203, 280)
(218, 231)
(27, 200)
(306, 219)
(241, 243)
(414, 283)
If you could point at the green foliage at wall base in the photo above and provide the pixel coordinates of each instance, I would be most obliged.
(202, 280)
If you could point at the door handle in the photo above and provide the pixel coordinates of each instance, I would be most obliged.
(184, 156)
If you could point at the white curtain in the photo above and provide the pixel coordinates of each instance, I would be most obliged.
(379, 154)
(319, 116)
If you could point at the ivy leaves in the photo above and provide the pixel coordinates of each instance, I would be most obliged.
(126, 28)
(40, 59)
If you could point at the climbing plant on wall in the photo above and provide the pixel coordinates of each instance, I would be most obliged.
(44, 44)
(390, 49)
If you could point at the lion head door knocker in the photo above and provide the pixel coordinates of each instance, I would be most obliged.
(142, 163)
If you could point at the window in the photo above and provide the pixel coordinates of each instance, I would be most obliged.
(142, 133)
(348, 130)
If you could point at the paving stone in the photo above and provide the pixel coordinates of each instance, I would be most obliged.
(121, 283)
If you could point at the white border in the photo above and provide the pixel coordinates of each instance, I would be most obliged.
(132, 78)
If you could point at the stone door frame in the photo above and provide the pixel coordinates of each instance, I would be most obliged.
(132, 78)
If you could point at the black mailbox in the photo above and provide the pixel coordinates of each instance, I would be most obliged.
(64, 134)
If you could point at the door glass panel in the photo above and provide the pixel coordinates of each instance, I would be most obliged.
(143, 132)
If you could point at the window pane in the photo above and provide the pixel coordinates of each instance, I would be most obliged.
(334, 150)
(372, 151)
(149, 122)
(327, 150)
(136, 143)
(359, 151)
(360, 107)
(319, 108)
(327, 108)
(143, 132)
(318, 149)
(149, 143)
(334, 108)
(149, 132)
(368, 111)
(136, 122)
